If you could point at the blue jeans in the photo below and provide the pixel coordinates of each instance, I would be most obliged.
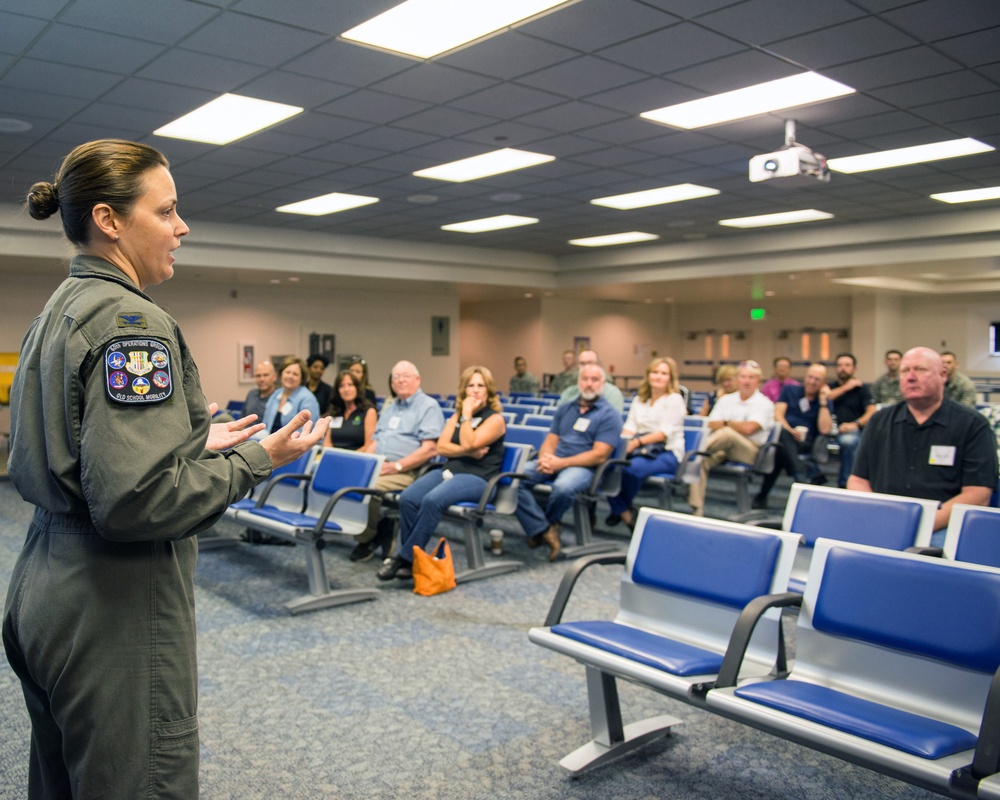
(848, 447)
(423, 502)
(638, 469)
(566, 484)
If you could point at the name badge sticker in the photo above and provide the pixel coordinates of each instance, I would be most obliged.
(286, 409)
(581, 425)
(804, 405)
(942, 455)
(127, 361)
(394, 423)
(337, 422)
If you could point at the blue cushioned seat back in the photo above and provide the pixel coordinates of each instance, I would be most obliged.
(917, 605)
(979, 539)
(299, 466)
(337, 470)
(511, 456)
(876, 521)
(695, 557)
(692, 438)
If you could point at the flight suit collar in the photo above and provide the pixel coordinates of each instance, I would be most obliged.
(83, 266)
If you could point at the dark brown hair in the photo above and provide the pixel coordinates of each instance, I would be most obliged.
(107, 171)
(337, 406)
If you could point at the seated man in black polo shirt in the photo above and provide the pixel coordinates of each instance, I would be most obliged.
(927, 445)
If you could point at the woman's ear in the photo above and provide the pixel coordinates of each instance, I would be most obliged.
(106, 220)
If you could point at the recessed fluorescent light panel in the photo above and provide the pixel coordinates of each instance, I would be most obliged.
(797, 90)
(908, 155)
(427, 28)
(227, 118)
(326, 204)
(655, 197)
(969, 195)
(784, 218)
(470, 169)
(489, 224)
(614, 238)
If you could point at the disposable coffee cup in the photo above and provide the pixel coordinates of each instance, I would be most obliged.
(803, 430)
(496, 541)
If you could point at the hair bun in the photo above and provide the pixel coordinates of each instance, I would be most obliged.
(43, 200)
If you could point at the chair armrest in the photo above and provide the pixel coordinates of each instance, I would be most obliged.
(595, 482)
(986, 761)
(484, 498)
(334, 499)
(740, 638)
(682, 466)
(759, 519)
(272, 482)
(922, 550)
(569, 581)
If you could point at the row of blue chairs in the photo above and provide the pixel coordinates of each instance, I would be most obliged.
(897, 655)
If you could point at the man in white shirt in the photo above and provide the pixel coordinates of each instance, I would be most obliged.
(740, 423)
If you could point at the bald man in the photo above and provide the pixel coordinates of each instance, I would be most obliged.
(927, 445)
(266, 378)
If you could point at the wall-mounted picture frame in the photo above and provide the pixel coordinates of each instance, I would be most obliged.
(246, 361)
(581, 343)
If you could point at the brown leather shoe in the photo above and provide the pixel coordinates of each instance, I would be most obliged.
(551, 538)
(535, 541)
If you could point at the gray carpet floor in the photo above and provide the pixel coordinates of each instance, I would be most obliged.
(427, 698)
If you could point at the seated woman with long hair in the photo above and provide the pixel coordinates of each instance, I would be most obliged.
(353, 416)
(293, 396)
(656, 426)
(472, 442)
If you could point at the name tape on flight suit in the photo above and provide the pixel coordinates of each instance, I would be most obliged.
(138, 371)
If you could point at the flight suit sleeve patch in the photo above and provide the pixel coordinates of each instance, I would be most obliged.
(131, 320)
(138, 371)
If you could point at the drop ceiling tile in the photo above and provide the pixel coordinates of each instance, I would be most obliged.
(941, 19)
(22, 103)
(376, 107)
(391, 139)
(594, 73)
(165, 21)
(171, 100)
(506, 134)
(325, 127)
(645, 96)
(973, 49)
(940, 88)
(18, 32)
(899, 67)
(772, 20)
(343, 153)
(728, 73)
(508, 101)
(587, 26)
(348, 63)
(508, 55)
(957, 111)
(851, 41)
(257, 41)
(689, 9)
(200, 71)
(672, 48)
(311, 15)
(297, 90)
(42, 76)
(444, 121)
(571, 117)
(64, 44)
(434, 83)
(629, 130)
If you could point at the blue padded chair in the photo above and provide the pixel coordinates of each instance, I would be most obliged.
(286, 487)
(743, 474)
(548, 411)
(537, 420)
(667, 484)
(336, 504)
(880, 520)
(686, 582)
(526, 434)
(896, 658)
(973, 535)
(499, 497)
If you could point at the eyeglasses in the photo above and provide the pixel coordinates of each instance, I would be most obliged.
(402, 376)
(749, 365)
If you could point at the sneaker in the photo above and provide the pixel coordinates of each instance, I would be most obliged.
(364, 550)
(394, 567)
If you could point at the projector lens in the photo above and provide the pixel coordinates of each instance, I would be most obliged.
(771, 165)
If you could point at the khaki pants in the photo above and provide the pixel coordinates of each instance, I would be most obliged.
(387, 483)
(725, 444)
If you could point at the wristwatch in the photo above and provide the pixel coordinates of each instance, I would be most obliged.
(398, 466)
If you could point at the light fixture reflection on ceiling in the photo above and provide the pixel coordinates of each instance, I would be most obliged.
(326, 204)
(782, 218)
(969, 195)
(796, 90)
(494, 163)
(655, 197)
(903, 156)
(226, 119)
(489, 224)
(427, 28)
(628, 237)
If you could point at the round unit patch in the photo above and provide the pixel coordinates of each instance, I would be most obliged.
(138, 357)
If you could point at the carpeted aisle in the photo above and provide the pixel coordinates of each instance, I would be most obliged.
(426, 698)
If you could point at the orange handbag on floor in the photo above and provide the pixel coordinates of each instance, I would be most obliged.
(433, 574)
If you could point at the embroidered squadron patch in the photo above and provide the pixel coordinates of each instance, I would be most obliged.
(127, 361)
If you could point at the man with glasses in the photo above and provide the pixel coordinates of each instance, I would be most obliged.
(740, 422)
(406, 434)
(612, 394)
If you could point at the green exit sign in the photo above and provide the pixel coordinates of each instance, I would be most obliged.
(757, 313)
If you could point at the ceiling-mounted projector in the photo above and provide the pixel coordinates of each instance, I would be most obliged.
(792, 165)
